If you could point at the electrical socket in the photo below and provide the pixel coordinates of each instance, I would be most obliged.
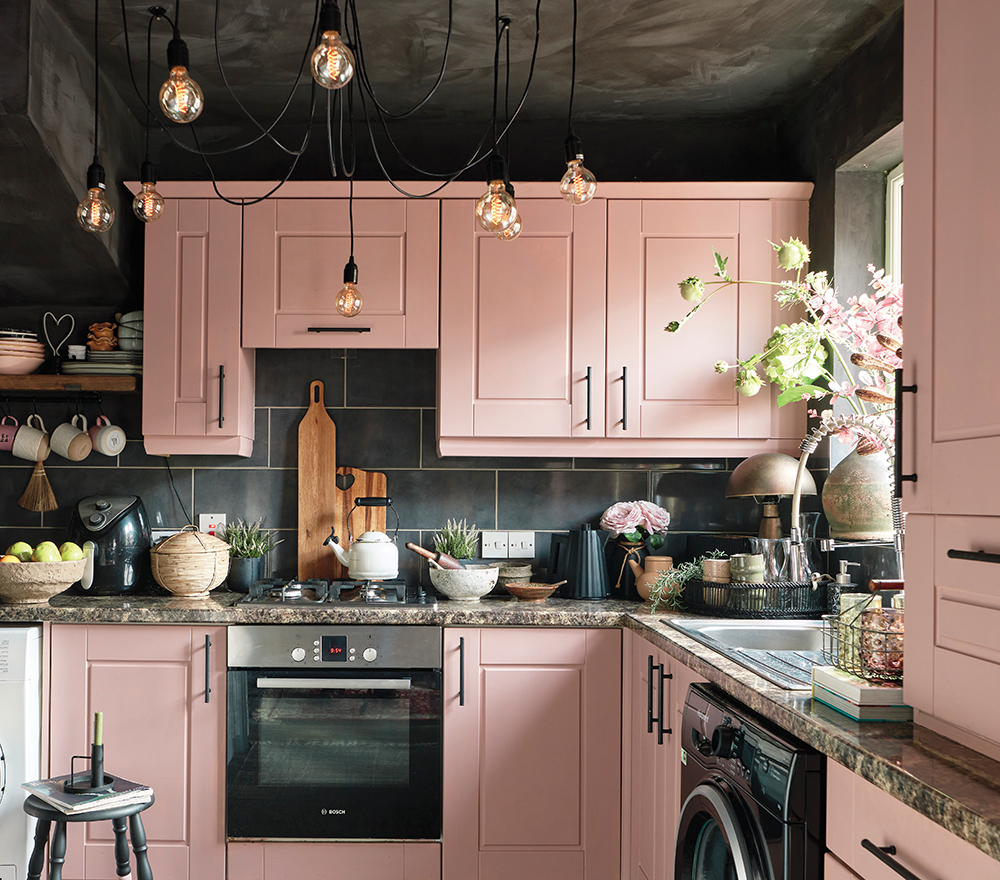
(210, 523)
(494, 545)
(520, 545)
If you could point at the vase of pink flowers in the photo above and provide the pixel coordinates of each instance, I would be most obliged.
(636, 528)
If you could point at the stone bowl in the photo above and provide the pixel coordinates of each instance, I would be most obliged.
(467, 584)
(34, 583)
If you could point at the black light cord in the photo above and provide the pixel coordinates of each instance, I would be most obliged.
(501, 27)
(149, 75)
(173, 485)
(97, 79)
(572, 79)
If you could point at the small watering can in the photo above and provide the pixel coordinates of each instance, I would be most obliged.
(646, 577)
(373, 555)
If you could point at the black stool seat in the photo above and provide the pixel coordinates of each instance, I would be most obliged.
(46, 815)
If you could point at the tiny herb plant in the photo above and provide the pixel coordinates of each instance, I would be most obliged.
(457, 539)
(248, 540)
(668, 589)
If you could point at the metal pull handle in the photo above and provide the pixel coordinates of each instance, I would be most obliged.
(222, 391)
(339, 329)
(649, 697)
(884, 855)
(624, 398)
(461, 671)
(208, 648)
(660, 729)
(897, 460)
(589, 381)
(974, 555)
(337, 684)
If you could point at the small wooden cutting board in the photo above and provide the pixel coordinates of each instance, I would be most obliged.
(317, 487)
(360, 484)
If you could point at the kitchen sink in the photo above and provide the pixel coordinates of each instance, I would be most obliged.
(782, 651)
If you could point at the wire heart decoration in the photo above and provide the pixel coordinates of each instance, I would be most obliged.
(57, 326)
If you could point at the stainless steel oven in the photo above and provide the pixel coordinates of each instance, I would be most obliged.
(334, 732)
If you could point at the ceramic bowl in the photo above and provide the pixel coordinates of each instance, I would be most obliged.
(34, 583)
(19, 365)
(465, 584)
(531, 592)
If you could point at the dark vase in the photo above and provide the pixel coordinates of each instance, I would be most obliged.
(243, 571)
(620, 575)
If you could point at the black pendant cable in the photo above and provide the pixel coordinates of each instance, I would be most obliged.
(514, 230)
(95, 213)
(148, 203)
(578, 185)
(349, 300)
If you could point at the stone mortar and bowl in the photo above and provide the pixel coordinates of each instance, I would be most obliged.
(467, 584)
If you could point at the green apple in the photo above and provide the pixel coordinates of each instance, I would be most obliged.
(21, 550)
(70, 551)
(47, 551)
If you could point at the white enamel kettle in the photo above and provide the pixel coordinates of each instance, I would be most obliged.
(373, 555)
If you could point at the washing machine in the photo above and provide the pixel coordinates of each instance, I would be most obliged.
(752, 797)
(20, 742)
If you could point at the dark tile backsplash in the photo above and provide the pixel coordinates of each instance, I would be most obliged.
(382, 403)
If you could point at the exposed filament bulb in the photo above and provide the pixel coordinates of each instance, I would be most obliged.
(578, 185)
(332, 62)
(496, 210)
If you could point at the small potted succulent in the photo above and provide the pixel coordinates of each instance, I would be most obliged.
(249, 544)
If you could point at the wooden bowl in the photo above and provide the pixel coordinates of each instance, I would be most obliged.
(34, 583)
(531, 592)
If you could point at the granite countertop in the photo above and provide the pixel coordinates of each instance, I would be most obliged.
(955, 786)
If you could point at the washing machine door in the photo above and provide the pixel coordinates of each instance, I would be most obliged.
(717, 838)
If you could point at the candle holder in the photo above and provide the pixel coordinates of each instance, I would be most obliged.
(92, 782)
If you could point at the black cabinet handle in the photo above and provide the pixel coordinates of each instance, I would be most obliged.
(974, 555)
(461, 671)
(897, 460)
(208, 647)
(222, 391)
(624, 398)
(660, 729)
(589, 380)
(339, 329)
(884, 855)
(649, 697)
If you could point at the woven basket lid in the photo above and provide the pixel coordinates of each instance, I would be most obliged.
(189, 542)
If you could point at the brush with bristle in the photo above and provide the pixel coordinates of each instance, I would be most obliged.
(39, 496)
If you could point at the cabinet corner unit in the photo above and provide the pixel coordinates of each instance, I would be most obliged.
(554, 343)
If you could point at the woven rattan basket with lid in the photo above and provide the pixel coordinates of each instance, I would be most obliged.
(190, 563)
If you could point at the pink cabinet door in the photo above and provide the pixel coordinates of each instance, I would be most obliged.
(532, 759)
(293, 268)
(197, 381)
(522, 323)
(149, 681)
(662, 385)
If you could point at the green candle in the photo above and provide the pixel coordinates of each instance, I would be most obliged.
(98, 728)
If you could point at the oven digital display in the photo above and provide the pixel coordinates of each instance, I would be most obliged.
(333, 649)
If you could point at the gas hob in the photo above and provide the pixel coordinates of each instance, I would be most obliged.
(309, 593)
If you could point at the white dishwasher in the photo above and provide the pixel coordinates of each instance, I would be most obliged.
(20, 742)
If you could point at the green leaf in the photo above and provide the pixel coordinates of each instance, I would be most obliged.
(720, 265)
(793, 394)
(632, 536)
(656, 541)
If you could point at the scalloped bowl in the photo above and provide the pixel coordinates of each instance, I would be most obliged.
(34, 583)
(467, 584)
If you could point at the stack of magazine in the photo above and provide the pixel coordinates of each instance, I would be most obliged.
(859, 698)
(122, 793)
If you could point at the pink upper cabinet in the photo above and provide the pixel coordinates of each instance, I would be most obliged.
(293, 267)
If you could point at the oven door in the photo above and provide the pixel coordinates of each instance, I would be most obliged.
(321, 755)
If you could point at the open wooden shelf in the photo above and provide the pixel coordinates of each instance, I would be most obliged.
(38, 382)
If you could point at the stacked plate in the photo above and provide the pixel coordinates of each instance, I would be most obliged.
(20, 352)
(106, 363)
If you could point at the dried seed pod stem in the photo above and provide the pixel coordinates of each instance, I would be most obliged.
(870, 362)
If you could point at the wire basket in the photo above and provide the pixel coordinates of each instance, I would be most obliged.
(866, 641)
(770, 599)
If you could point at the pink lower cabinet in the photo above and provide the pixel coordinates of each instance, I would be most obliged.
(271, 860)
(150, 683)
(532, 745)
(198, 383)
(293, 268)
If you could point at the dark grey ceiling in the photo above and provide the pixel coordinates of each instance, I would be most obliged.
(648, 60)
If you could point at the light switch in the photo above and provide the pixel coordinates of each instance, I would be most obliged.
(494, 545)
(520, 545)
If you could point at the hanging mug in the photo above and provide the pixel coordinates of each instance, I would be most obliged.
(8, 428)
(31, 442)
(71, 440)
(108, 439)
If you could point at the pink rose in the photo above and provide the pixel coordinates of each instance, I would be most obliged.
(627, 516)
(654, 517)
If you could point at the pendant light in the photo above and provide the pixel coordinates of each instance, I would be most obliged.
(496, 209)
(514, 230)
(349, 301)
(95, 213)
(148, 204)
(181, 98)
(578, 185)
(332, 62)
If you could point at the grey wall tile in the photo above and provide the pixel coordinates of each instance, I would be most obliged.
(562, 499)
(283, 376)
(404, 377)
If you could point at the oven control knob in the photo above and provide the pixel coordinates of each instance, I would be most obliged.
(298, 654)
(369, 654)
(723, 738)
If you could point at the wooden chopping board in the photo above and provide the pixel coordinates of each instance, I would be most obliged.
(322, 505)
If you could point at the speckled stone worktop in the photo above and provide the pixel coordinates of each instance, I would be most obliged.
(956, 787)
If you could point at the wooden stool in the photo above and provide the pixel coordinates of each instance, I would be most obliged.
(57, 854)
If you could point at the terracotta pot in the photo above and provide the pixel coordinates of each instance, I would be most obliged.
(857, 498)
(646, 576)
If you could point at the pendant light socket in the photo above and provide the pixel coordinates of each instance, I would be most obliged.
(351, 272)
(177, 52)
(329, 17)
(574, 148)
(95, 176)
(496, 168)
(147, 174)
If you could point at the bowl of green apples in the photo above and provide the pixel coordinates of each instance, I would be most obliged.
(33, 575)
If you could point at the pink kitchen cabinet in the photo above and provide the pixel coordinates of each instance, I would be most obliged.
(149, 681)
(554, 343)
(293, 268)
(532, 744)
(279, 860)
(198, 382)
